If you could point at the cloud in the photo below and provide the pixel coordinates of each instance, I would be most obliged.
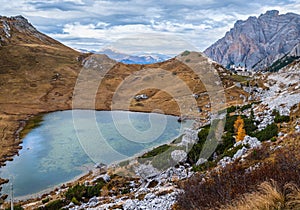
(93, 24)
(127, 38)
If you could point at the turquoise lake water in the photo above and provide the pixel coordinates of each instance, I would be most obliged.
(69, 143)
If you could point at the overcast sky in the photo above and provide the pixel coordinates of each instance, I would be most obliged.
(162, 26)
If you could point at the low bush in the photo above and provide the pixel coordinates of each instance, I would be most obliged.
(267, 133)
(247, 106)
(227, 142)
(46, 200)
(18, 207)
(281, 118)
(229, 183)
(81, 191)
(231, 109)
(205, 166)
(164, 160)
(249, 125)
(194, 153)
(53, 205)
(229, 123)
(231, 152)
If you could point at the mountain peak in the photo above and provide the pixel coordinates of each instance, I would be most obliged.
(141, 58)
(18, 30)
(270, 13)
(257, 42)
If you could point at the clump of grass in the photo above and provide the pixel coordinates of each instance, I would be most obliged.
(268, 196)
(156, 151)
(293, 196)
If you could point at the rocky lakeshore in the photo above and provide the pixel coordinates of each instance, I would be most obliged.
(42, 75)
(56, 93)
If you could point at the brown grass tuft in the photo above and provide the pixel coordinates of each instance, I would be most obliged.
(292, 196)
(267, 197)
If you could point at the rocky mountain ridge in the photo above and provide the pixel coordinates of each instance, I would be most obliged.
(295, 51)
(41, 77)
(291, 57)
(258, 41)
(16, 30)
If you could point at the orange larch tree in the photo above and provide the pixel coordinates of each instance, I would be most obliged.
(239, 129)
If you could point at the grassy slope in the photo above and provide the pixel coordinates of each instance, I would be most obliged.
(38, 75)
(29, 60)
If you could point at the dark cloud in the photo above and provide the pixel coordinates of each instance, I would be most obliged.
(199, 22)
(63, 5)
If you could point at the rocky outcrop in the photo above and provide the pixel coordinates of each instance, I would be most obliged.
(152, 201)
(258, 42)
(295, 51)
(292, 56)
(14, 30)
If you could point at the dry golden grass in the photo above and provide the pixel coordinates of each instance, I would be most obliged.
(269, 197)
(292, 196)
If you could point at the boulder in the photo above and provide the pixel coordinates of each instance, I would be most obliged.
(252, 142)
(179, 156)
(239, 153)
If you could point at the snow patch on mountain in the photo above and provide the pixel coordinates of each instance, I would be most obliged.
(143, 58)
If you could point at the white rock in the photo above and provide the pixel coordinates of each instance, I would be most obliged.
(140, 97)
(224, 161)
(239, 153)
(238, 144)
(106, 177)
(190, 136)
(129, 205)
(252, 142)
(149, 196)
(280, 134)
(146, 171)
(6, 29)
(179, 156)
(238, 85)
(297, 128)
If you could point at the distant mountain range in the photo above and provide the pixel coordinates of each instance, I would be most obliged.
(259, 42)
(146, 58)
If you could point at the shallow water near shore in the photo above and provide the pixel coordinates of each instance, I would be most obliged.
(67, 145)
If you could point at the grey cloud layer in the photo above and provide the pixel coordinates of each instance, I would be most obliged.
(92, 24)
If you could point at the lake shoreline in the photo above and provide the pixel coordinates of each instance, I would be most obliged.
(22, 125)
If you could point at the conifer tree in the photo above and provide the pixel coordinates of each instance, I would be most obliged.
(239, 129)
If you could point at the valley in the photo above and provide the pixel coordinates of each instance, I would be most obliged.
(241, 124)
